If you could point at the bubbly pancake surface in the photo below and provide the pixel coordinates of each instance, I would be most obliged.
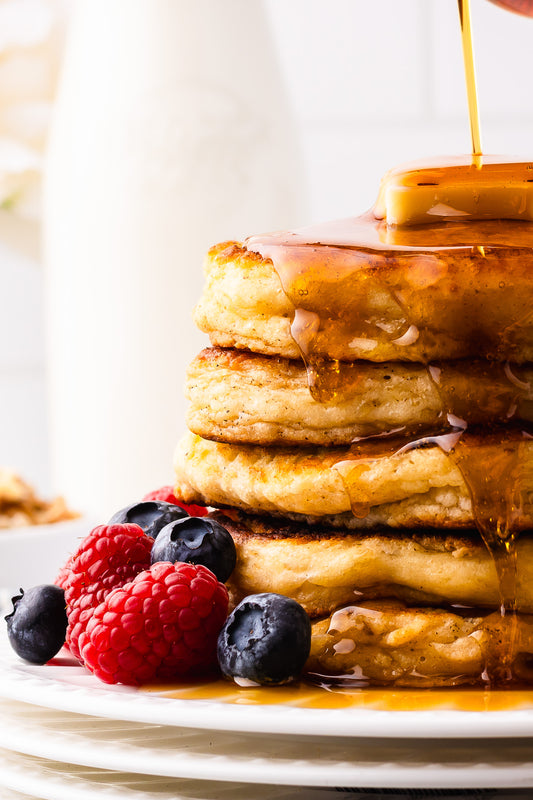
(244, 397)
(377, 482)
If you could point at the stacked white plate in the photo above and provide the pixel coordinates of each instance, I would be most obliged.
(63, 734)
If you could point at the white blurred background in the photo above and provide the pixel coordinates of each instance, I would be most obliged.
(370, 84)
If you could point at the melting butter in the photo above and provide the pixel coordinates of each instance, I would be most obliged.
(448, 189)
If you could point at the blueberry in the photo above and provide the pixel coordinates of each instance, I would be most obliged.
(197, 540)
(37, 625)
(151, 515)
(265, 640)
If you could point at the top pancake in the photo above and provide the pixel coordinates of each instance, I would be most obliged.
(355, 290)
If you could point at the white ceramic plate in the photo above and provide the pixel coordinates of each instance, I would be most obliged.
(259, 759)
(54, 780)
(72, 688)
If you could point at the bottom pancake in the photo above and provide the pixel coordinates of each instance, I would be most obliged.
(411, 608)
(323, 568)
(384, 643)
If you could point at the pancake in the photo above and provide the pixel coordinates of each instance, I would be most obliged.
(439, 636)
(445, 291)
(244, 397)
(376, 482)
(385, 643)
(323, 568)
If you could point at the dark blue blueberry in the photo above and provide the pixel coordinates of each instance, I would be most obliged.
(37, 626)
(266, 640)
(197, 540)
(151, 515)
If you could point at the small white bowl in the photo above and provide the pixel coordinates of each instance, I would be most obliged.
(34, 554)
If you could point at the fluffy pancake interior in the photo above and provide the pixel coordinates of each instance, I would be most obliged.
(382, 481)
(244, 397)
(323, 568)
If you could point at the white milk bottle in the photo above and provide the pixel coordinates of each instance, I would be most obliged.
(171, 133)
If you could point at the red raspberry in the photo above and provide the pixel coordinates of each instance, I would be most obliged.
(110, 556)
(162, 625)
(64, 574)
(62, 578)
(166, 495)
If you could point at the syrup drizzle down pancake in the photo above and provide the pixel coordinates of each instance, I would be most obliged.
(323, 293)
(374, 482)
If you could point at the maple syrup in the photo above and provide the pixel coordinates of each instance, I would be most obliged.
(470, 75)
(351, 285)
(322, 693)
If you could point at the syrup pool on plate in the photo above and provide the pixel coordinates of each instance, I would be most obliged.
(325, 695)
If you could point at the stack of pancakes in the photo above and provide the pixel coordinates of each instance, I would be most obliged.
(361, 424)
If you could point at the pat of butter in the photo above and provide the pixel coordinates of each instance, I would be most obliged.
(453, 188)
